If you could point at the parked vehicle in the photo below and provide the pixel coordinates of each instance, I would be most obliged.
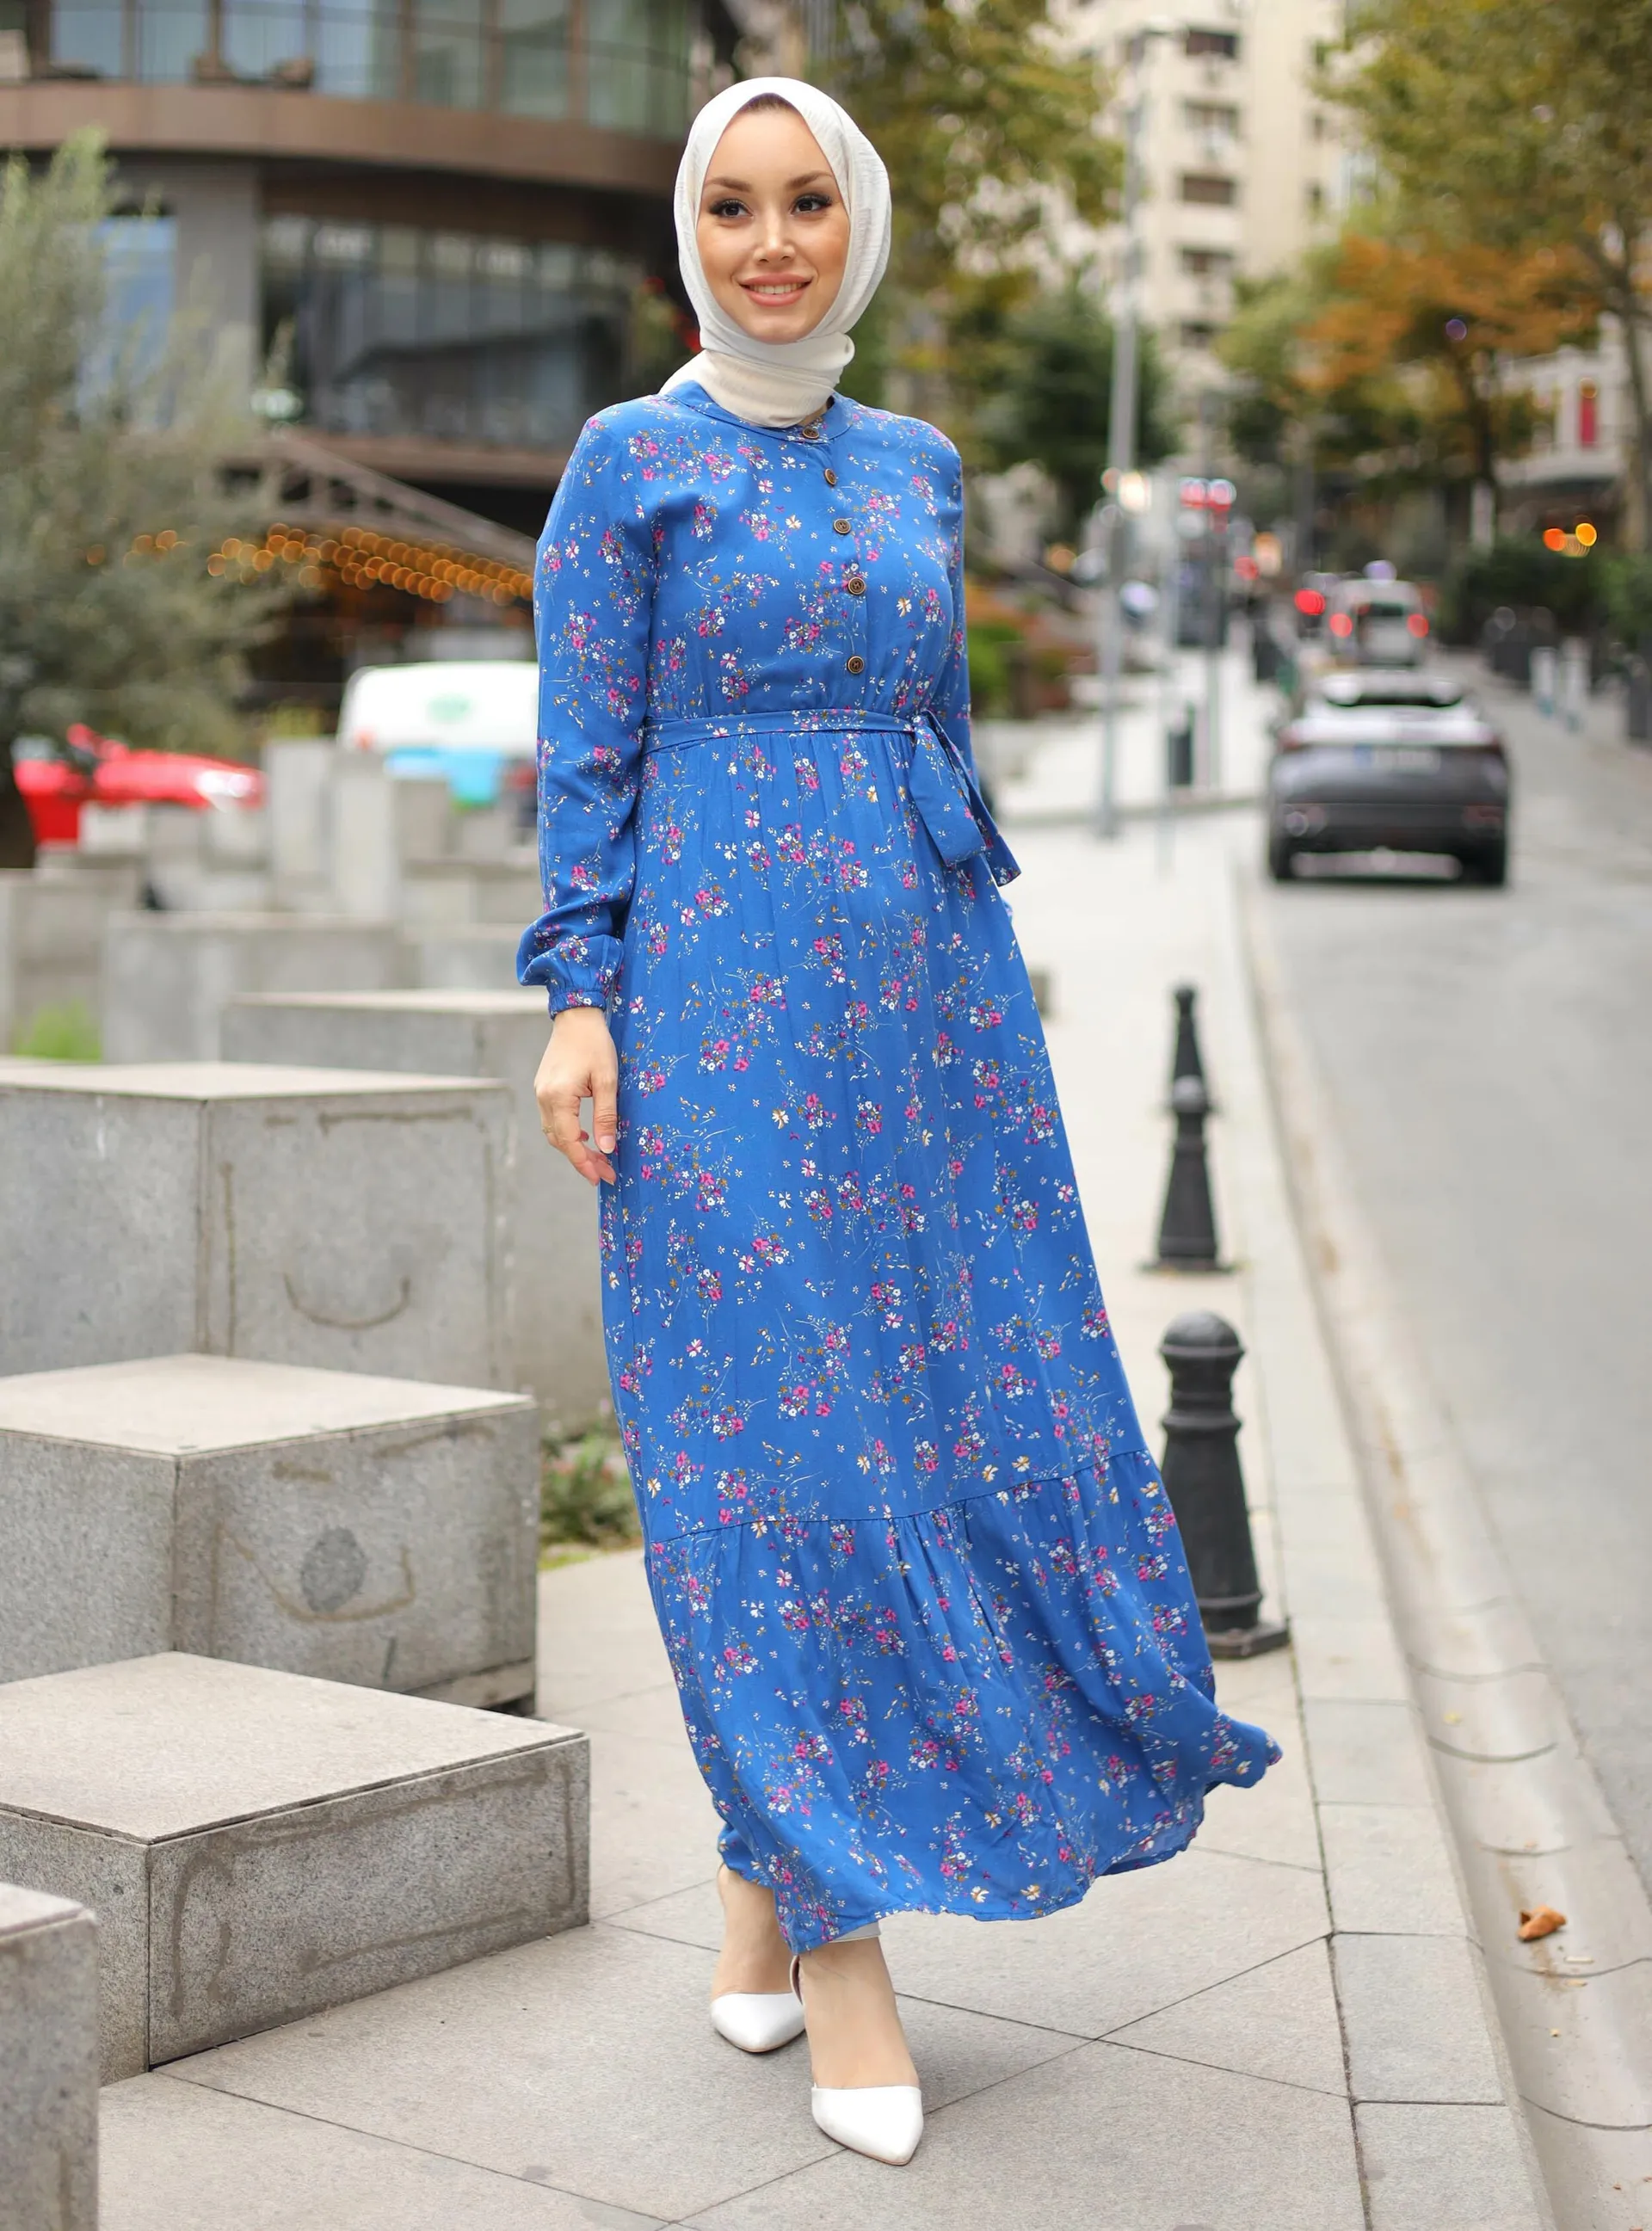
(1396, 760)
(57, 780)
(474, 721)
(1376, 623)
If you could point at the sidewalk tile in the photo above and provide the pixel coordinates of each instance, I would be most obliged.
(1107, 2140)
(1279, 2021)
(1390, 1871)
(175, 2157)
(1139, 1943)
(650, 1714)
(1416, 2019)
(1275, 1821)
(1365, 1753)
(587, 2061)
(1444, 2169)
(653, 1825)
(1348, 1658)
(598, 1636)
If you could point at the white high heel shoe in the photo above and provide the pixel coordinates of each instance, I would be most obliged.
(757, 2022)
(883, 2121)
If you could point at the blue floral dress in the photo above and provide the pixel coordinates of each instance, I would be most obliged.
(920, 1582)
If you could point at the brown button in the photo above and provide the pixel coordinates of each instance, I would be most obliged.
(810, 433)
(840, 527)
(855, 586)
(832, 478)
(857, 665)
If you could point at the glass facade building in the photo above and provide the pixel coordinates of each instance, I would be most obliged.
(448, 336)
(620, 65)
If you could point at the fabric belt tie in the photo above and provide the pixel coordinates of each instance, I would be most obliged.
(943, 791)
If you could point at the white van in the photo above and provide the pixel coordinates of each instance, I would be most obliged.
(473, 720)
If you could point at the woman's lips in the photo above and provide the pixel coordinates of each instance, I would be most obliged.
(774, 291)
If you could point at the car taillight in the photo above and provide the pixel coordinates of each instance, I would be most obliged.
(1416, 621)
(1341, 624)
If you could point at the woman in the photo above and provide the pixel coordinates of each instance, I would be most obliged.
(919, 1581)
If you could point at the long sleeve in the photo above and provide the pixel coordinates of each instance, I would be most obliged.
(593, 592)
(951, 699)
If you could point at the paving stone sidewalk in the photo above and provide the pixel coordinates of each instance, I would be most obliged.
(1284, 2030)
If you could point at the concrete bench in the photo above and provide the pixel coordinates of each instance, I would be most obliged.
(354, 1222)
(49, 2063)
(373, 1531)
(168, 977)
(257, 1846)
(560, 1354)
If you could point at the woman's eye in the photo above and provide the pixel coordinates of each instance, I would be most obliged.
(728, 209)
(809, 204)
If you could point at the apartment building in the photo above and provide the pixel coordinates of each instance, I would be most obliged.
(1243, 164)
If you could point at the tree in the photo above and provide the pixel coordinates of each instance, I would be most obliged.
(1452, 311)
(1508, 126)
(1051, 387)
(987, 120)
(111, 498)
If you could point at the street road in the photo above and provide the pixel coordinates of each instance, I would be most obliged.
(1489, 1054)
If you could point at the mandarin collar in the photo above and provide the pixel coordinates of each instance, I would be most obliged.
(840, 417)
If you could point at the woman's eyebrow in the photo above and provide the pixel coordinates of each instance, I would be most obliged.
(793, 186)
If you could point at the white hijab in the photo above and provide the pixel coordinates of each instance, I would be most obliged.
(777, 382)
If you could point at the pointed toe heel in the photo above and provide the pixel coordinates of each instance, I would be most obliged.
(757, 2022)
(883, 2121)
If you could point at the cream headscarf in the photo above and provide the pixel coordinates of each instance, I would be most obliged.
(777, 382)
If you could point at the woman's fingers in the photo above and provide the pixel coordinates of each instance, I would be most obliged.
(567, 1076)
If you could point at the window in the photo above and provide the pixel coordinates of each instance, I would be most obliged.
(1210, 187)
(452, 336)
(1314, 194)
(1316, 126)
(1222, 46)
(1196, 334)
(1207, 263)
(1218, 116)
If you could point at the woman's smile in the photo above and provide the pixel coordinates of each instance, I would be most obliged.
(772, 231)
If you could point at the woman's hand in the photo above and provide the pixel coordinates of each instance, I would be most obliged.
(581, 1064)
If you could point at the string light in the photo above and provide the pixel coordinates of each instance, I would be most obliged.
(363, 559)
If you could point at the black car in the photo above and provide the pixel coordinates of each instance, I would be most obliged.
(1391, 760)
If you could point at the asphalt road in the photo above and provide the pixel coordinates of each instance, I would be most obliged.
(1489, 1055)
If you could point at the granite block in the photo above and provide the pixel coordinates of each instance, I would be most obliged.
(373, 1530)
(49, 2063)
(350, 1221)
(167, 977)
(560, 1354)
(282, 1844)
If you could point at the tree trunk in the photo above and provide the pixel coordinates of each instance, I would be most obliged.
(16, 831)
(1630, 319)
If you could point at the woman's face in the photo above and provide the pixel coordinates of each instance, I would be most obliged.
(772, 231)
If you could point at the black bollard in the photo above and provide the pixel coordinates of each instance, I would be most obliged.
(1186, 1061)
(1206, 1485)
(1187, 1228)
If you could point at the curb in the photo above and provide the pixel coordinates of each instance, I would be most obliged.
(1524, 1813)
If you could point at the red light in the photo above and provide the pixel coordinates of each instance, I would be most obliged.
(1341, 624)
(1417, 625)
(1554, 537)
(1309, 603)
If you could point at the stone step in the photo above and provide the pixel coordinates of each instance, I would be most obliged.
(49, 2063)
(354, 1222)
(502, 1034)
(257, 1844)
(380, 1531)
(167, 977)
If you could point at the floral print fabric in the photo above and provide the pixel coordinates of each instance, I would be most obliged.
(919, 1580)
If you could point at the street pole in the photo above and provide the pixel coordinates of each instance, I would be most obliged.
(1215, 542)
(1121, 447)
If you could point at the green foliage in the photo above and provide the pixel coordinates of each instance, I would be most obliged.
(1050, 400)
(585, 1494)
(1626, 592)
(981, 115)
(111, 500)
(990, 642)
(1519, 571)
(1514, 125)
(65, 1034)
